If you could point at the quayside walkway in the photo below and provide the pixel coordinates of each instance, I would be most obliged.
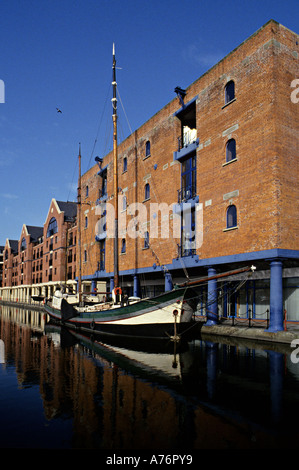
(233, 328)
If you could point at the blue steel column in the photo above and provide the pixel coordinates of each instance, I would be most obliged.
(136, 292)
(168, 282)
(111, 284)
(93, 286)
(276, 297)
(212, 304)
(225, 300)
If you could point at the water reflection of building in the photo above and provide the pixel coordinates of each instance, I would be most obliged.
(111, 407)
(24, 317)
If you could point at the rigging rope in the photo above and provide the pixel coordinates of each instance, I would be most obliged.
(99, 127)
(155, 195)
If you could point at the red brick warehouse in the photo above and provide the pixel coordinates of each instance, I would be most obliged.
(228, 146)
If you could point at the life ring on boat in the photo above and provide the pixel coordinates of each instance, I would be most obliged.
(118, 290)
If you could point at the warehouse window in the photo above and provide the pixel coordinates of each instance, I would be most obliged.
(231, 217)
(147, 149)
(103, 189)
(125, 164)
(147, 191)
(124, 203)
(123, 245)
(231, 150)
(188, 179)
(146, 240)
(52, 227)
(229, 91)
(188, 233)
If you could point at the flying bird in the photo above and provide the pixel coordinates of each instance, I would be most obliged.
(58, 110)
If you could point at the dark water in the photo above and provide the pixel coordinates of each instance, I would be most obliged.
(65, 391)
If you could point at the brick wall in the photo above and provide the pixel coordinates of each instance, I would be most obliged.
(263, 180)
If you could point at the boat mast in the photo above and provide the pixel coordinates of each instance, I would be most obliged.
(79, 229)
(115, 171)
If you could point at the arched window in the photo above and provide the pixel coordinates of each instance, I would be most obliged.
(231, 150)
(86, 222)
(85, 256)
(146, 240)
(147, 148)
(229, 91)
(123, 245)
(23, 244)
(87, 191)
(147, 191)
(231, 216)
(52, 227)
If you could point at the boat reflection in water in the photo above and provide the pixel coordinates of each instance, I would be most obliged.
(61, 389)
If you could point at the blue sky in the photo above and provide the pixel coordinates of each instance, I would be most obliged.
(57, 53)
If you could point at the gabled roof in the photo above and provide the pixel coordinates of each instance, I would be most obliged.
(14, 245)
(35, 232)
(69, 209)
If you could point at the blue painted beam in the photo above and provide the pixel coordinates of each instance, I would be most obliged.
(195, 262)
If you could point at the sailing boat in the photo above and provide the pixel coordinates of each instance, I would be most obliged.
(167, 315)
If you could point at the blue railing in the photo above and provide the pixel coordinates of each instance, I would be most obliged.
(186, 193)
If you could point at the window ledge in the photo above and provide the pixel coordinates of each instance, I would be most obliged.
(227, 104)
(146, 156)
(230, 228)
(148, 199)
(230, 161)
